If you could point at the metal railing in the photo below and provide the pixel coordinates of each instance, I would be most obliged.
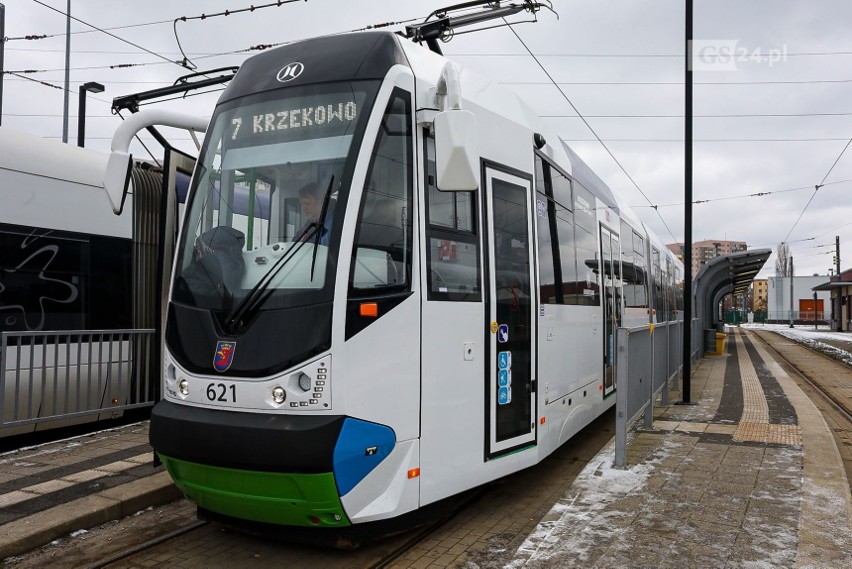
(649, 360)
(69, 375)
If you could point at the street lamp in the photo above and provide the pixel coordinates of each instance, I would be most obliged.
(81, 113)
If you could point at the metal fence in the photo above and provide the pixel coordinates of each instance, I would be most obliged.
(649, 359)
(74, 375)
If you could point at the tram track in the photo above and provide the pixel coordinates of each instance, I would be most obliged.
(494, 517)
(827, 381)
(829, 394)
(116, 557)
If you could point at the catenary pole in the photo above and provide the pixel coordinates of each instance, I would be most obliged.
(67, 73)
(2, 50)
(791, 291)
(687, 211)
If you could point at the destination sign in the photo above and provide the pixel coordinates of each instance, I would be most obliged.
(312, 117)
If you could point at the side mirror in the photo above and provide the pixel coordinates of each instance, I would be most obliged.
(456, 151)
(120, 163)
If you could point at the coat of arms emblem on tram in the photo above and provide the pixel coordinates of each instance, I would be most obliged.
(224, 355)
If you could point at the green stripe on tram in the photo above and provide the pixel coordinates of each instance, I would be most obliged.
(272, 497)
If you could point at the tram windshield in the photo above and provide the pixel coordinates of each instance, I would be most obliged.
(269, 195)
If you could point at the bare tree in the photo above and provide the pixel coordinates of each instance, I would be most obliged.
(783, 265)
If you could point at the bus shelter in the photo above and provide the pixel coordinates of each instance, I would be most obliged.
(721, 276)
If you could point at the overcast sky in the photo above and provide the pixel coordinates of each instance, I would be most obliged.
(616, 60)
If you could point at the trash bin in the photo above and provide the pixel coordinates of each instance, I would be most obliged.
(709, 340)
(720, 343)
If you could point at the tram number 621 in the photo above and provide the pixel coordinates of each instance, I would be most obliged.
(219, 392)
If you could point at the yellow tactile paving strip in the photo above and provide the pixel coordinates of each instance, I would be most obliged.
(754, 425)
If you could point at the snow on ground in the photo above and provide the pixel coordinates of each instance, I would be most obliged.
(817, 339)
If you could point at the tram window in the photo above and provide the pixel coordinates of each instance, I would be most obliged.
(584, 209)
(670, 291)
(381, 257)
(549, 272)
(452, 210)
(453, 246)
(587, 265)
(63, 280)
(658, 284)
(561, 188)
(572, 288)
(628, 265)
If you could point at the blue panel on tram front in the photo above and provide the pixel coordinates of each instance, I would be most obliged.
(360, 448)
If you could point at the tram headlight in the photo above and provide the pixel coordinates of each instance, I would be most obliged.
(183, 386)
(279, 395)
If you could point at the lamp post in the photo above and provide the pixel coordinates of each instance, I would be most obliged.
(81, 112)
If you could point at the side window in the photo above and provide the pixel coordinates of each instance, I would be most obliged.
(640, 278)
(549, 268)
(572, 288)
(585, 232)
(559, 241)
(452, 243)
(59, 280)
(658, 283)
(381, 256)
(628, 265)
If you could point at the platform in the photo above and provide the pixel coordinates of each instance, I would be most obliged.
(749, 476)
(52, 490)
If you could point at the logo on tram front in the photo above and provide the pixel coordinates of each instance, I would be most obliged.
(290, 71)
(224, 355)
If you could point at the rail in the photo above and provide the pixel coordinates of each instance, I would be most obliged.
(72, 375)
(649, 360)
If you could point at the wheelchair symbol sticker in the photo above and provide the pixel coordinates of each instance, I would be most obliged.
(504, 360)
(503, 333)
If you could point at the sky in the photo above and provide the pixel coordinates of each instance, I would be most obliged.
(772, 93)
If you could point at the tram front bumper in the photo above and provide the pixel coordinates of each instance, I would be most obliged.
(270, 497)
(281, 469)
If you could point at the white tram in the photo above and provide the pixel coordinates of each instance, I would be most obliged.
(420, 298)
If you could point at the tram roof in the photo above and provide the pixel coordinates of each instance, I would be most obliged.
(25, 153)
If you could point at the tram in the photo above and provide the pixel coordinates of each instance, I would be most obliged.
(77, 283)
(419, 297)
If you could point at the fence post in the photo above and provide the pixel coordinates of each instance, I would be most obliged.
(665, 397)
(621, 398)
(652, 381)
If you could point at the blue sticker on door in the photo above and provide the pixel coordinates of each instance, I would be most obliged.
(503, 333)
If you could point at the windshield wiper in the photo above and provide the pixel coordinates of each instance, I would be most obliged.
(321, 223)
(260, 292)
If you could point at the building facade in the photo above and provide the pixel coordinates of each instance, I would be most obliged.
(805, 307)
(759, 295)
(840, 289)
(703, 251)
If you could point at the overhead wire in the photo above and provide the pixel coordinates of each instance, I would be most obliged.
(186, 61)
(816, 189)
(741, 196)
(592, 130)
(110, 34)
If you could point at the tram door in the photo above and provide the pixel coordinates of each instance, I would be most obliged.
(610, 260)
(510, 382)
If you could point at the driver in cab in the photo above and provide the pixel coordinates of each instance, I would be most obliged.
(311, 201)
